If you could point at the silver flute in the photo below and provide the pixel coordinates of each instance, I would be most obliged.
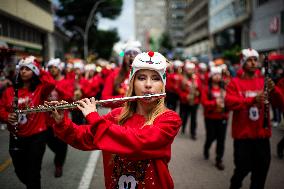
(73, 105)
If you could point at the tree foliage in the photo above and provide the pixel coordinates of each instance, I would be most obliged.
(103, 42)
(165, 44)
(75, 13)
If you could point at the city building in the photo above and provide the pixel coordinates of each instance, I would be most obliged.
(175, 21)
(267, 26)
(196, 40)
(150, 22)
(25, 26)
(229, 24)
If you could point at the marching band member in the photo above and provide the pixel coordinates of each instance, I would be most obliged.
(95, 81)
(245, 97)
(62, 91)
(190, 96)
(173, 78)
(136, 139)
(277, 97)
(216, 117)
(116, 84)
(34, 86)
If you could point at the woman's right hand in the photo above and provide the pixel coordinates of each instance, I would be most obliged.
(87, 105)
(57, 115)
(12, 118)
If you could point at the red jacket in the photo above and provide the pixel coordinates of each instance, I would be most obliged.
(173, 80)
(184, 93)
(140, 150)
(108, 90)
(247, 117)
(277, 95)
(93, 87)
(63, 91)
(210, 105)
(33, 123)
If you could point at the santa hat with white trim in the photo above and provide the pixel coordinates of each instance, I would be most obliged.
(152, 61)
(215, 70)
(30, 62)
(56, 62)
(247, 53)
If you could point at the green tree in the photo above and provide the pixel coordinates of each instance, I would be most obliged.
(233, 54)
(103, 42)
(74, 15)
(165, 43)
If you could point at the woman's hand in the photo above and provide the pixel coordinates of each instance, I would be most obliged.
(12, 118)
(87, 106)
(57, 115)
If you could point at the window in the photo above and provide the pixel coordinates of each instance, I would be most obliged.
(261, 2)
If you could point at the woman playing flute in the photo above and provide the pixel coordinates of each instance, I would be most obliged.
(135, 139)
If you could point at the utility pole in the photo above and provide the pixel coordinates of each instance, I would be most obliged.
(88, 25)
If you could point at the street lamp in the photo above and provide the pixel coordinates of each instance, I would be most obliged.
(88, 25)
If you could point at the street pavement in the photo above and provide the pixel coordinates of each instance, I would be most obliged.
(190, 171)
(188, 168)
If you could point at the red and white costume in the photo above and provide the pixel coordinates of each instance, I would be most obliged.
(29, 124)
(146, 150)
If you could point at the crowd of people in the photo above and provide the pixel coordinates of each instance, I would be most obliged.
(136, 136)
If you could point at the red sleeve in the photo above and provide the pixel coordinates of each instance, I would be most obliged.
(234, 100)
(277, 95)
(48, 83)
(65, 89)
(4, 102)
(151, 141)
(205, 100)
(107, 92)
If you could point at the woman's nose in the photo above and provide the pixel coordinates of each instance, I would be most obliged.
(148, 83)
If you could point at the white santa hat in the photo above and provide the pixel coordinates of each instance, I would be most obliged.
(247, 53)
(215, 70)
(132, 46)
(31, 63)
(56, 62)
(89, 67)
(78, 65)
(202, 65)
(177, 63)
(189, 65)
(150, 61)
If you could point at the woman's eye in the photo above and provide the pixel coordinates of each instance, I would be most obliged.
(141, 78)
(156, 78)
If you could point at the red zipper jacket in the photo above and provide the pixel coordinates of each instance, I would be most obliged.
(210, 105)
(108, 89)
(277, 95)
(140, 150)
(184, 93)
(247, 116)
(33, 123)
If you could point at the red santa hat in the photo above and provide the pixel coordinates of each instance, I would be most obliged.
(150, 61)
(30, 62)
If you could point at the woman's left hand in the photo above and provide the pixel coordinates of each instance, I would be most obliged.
(87, 105)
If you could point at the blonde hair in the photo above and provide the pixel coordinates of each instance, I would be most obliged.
(129, 108)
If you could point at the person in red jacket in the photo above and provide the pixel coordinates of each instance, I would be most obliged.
(277, 97)
(135, 139)
(245, 97)
(62, 91)
(117, 82)
(190, 97)
(216, 118)
(27, 149)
